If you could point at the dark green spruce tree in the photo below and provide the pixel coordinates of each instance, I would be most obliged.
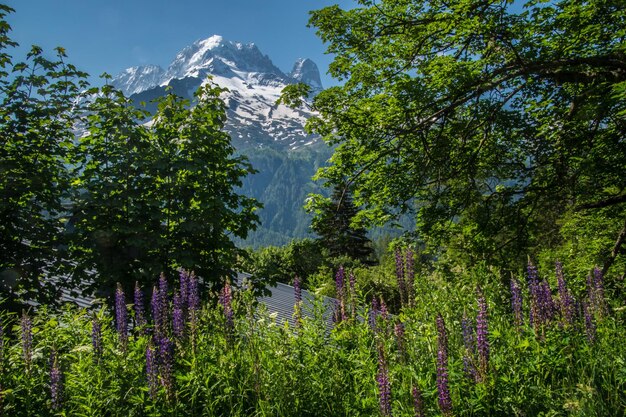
(334, 223)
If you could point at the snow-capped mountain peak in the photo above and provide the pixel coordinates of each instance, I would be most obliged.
(306, 71)
(137, 79)
(253, 85)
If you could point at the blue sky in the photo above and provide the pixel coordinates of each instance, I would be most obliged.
(110, 35)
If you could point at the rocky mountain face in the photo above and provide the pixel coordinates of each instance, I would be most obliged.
(254, 84)
(272, 136)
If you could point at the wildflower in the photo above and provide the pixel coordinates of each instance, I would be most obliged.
(352, 281)
(598, 289)
(384, 312)
(410, 276)
(121, 317)
(26, 327)
(152, 371)
(178, 320)
(163, 303)
(193, 304)
(56, 382)
(96, 336)
(373, 313)
(418, 402)
(590, 327)
(516, 303)
(384, 386)
(140, 315)
(482, 342)
(340, 285)
(445, 401)
(155, 305)
(225, 301)
(470, 347)
(400, 274)
(193, 297)
(566, 304)
(166, 365)
(184, 289)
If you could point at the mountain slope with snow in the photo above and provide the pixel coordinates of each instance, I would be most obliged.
(253, 85)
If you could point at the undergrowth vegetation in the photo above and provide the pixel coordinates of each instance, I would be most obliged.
(467, 346)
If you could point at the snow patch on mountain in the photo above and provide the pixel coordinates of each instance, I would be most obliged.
(253, 85)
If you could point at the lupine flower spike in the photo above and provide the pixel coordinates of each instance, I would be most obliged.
(340, 286)
(178, 320)
(96, 337)
(26, 327)
(482, 341)
(443, 390)
(152, 371)
(418, 402)
(566, 302)
(166, 366)
(384, 386)
(140, 314)
(56, 381)
(410, 277)
(516, 303)
(400, 275)
(121, 317)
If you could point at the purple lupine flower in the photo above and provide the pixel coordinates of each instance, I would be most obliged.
(384, 312)
(536, 297)
(384, 386)
(166, 365)
(590, 327)
(418, 402)
(482, 332)
(26, 326)
(373, 313)
(400, 275)
(96, 337)
(297, 289)
(516, 303)
(163, 302)
(399, 332)
(470, 347)
(184, 289)
(193, 296)
(566, 304)
(226, 302)
(340, 285)
(56, 382)
(155, 305)
(591, 293)
(121, 317)
(152, 371)
(140, 314)
(410, 276)
(443, 390)
(598, 286)
(193, 304)
(178, 320)
(352, 281)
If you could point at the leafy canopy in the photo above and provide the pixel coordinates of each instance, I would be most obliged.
(489, 120)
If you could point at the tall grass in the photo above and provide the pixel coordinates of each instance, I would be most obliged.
(233, 358)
